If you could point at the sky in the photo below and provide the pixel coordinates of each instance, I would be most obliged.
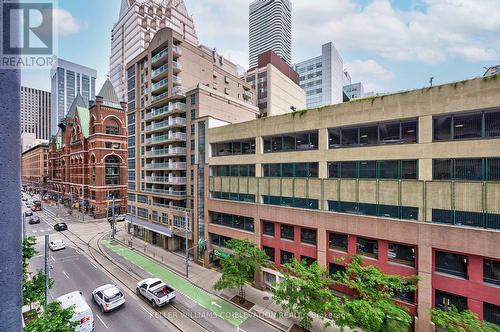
(389, 45)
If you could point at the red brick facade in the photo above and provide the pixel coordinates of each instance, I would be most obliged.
(90, 152)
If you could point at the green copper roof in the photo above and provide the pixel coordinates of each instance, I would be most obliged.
(77, 102)
(84, 117)
(109, 96)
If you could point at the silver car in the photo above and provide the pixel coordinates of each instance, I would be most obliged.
(108, 297)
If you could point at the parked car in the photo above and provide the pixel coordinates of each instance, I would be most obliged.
(108, 297)
(60, 226)
(27, 204)
(82, 312)
(120, 217)
(55, 245)
(156, 291)
(34, 220)
(28, 214)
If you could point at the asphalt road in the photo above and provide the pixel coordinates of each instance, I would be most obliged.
(71, 270)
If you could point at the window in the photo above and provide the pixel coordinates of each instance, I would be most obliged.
(402, 254)
(269, 252)
(287, 232)
(466, 218)
(491, 313)
(233, 148)
(449, 263)
(492, 124)
(286, 256)
(467, 126)
(479, 124)
(295, 202)
(232, 196)
(464, 169)
(389, 211)
(112, 130)
(491, 271)
(445, 300)
(233, 221)
(367, 247)
(268, 228)
(383, 133)
(300, 141)
(338, 241)
(334, 268)
(233, 170)
(406, 296)
(382, 169)
(290, 170)
(307, 260)
(308, 236)
(112, 170)
(193, 99)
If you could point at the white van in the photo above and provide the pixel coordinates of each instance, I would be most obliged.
(82, 312)
(57, 245)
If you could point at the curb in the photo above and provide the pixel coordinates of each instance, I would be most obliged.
(219, 296)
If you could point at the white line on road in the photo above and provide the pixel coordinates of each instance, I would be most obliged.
(66, 275)
(93, 265)
(102, 321)
(53, 258)
(216, 304)
(146, 310)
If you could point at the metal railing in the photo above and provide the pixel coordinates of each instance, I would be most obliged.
(164, 94)
(178, 180)
(159, 55)
(159, 84)
(169, 151)
(167, 166)
(159, 70)
(166, 192)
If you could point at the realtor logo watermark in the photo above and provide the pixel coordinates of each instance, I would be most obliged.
(27, 34)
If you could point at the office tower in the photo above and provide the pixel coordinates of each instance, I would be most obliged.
(276, 85)
(137, 23)
(270, 29)
(69, 79)
(322, 77)
(35, 112)
(491, 71)
(409, 181)
(354, 90)
(87, 156)
(176, 92)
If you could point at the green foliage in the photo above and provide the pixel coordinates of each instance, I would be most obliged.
(34, 288)
(54, 319)
(306, 290)
(453, 320)
(28, 253)
(239, 269)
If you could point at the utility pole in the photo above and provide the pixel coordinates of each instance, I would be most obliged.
(113, 217)
(431, 80)
(83, 199)
(46, 268)
(186, 220)
(24, 225)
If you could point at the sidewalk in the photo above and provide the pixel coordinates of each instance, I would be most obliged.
(264, 307)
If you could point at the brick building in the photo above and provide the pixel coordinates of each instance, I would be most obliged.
(409, 181)
(87, 157)
(34, 166)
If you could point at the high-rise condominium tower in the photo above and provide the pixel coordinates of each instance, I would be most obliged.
(67, 80)
(35, 112)
(270, 29)
(139, 20)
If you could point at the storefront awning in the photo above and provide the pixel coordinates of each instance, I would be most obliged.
(157, 228)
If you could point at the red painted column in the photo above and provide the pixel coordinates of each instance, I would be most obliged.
(383, 248)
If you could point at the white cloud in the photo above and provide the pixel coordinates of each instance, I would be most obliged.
(66, 24)
(373, 75)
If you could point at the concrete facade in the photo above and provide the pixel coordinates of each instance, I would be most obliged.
(176, 92)
(35, 112)
(261, 206)
(34, 166)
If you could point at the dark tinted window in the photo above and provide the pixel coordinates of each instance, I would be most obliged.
(350, 137)
(368, 169)
(307, 260)
(492, 124)
(442, 169)
(491, 313)
(287, 232)
(338, 241)
(449, 263)
(308, 236)
(400, 253)
(389, 169)
(493, 169)
(468, 169)
(442, 128)
(334, 268)
(268, 228)
(233, 148)
(286, 256)
(269, 252)
(291, 142)
(491, 271)
(467, 126)
(367, 247)
(445, 300)
(368, 135)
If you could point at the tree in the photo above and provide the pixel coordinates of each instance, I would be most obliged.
(28, 253)
(306, 290)
(54, 319)
(453, 320)
(34, 289)
(372, 308)
(239, 268)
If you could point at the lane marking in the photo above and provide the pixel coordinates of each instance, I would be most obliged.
(66, 275)
(53, 258)
(102, 321)
(95, 267)
(216, 304)
(146, 310)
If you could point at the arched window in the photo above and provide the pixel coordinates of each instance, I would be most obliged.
(112, 170)
(112, 127)
(92, 125)
(93, 173)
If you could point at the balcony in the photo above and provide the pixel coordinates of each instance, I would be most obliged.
(176, 51)
(176, 66)
(247, 94)
(160, 72)
(172, 137)
(165, 110)
(177, 106)
(178, 92)
(173, 180)
(179, 151)
(160, 96)
(172, 122)
(166, 192)
(159, 56)
(160, 86)
(176, 80)
(174, 166)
